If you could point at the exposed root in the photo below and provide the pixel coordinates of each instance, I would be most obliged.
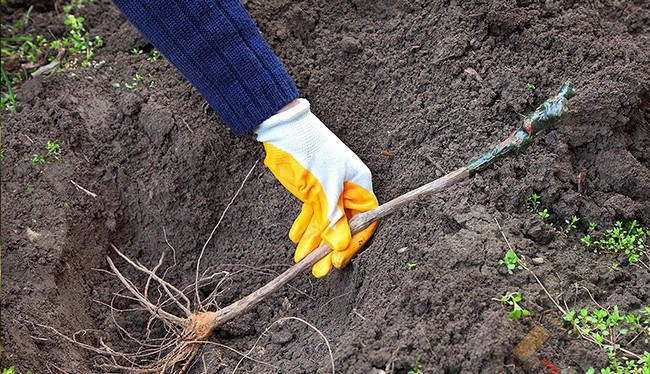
(176, 328)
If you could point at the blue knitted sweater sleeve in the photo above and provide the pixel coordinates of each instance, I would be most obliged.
(216, 45)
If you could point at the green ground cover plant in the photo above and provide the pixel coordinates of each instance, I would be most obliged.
(614, 332)
(23, 53)
(629, 238)
(513, 299)
(511, 261)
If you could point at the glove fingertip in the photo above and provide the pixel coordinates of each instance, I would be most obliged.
(338, 238)
(301, 223)
(340, 260)
(322, 267)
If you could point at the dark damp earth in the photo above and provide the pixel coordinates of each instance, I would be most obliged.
(416, 89)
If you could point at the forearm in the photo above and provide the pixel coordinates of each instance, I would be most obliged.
(219, 49)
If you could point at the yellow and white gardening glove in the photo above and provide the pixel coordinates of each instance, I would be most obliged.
(330, 180)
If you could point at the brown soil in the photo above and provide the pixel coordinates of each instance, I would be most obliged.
(385, 76)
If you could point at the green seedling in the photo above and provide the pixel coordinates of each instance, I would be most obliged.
(22, 21)
(544, 214)
(136, 51)
(511, 261)
(29, 187)
(513, 299)
(78, 4)
(411, 266)
(136, 81)
(12, 370)
(592, 226)
(532, 203)
(154, 55)
(53, 148)
(78, 40)
(570, 224)
(417, 367)
(530, 86)
(38, 160)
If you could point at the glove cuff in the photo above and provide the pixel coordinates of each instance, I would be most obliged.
(291, 120)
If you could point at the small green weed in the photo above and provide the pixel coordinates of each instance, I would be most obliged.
(607, 329)
(154, 55)
(530, 86)
(136, 81)
(53, 148)
(78, 40)
(411, 265)
(29, 187)
(78, 4)
(625, 365)
(543, 214)
(532, 203)
(136, 51)
(570, 224)
(622, 238)
(8, 99)
(513, 299)
(31, 52)
(38, 160)
(12, 370)
(511, 261)
(417, 367)
(22, 21)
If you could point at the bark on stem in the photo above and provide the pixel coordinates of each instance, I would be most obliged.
(357, 223)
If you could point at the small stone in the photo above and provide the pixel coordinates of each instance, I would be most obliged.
(402, 250)
(282, 337)
(541, 233)
(537, 260)
(350, 45)
(33, 235)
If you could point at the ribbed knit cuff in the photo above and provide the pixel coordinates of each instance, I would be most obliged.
(219, 49)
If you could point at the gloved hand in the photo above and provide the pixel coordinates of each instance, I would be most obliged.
(330, 180)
